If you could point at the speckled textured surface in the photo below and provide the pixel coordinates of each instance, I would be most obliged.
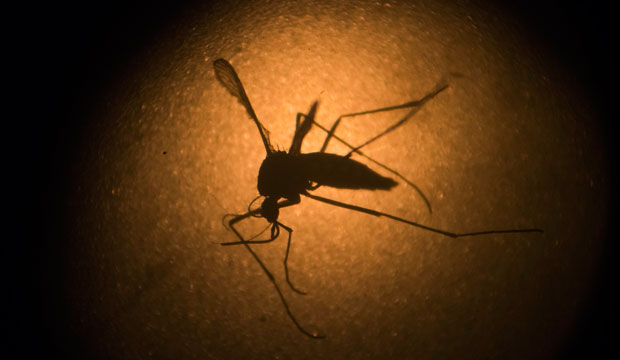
(509, 145)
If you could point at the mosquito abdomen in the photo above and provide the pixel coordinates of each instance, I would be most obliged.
(341, 172)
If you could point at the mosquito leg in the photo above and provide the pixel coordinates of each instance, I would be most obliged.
(246, 243)
(239, 218)
(381, 165)
(416, 104)
(298, 120)
(424, 227)
(270, 276)
(288, 247)
(274, 235)
(314, 187)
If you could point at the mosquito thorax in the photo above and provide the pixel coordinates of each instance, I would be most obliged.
(280, 176)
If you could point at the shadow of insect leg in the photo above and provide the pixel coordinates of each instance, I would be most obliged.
(288, 247)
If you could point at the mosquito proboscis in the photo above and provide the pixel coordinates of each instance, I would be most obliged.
(285, 176)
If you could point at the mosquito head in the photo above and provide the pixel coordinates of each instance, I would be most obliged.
(270, 210)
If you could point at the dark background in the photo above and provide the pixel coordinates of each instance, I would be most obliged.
(65, 58)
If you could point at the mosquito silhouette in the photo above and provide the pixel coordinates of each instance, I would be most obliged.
(285, 176)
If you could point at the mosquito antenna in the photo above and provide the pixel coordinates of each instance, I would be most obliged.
(227, 76)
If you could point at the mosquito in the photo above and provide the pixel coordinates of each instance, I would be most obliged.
(285, 176)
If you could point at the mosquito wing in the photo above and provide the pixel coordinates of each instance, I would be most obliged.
(302, 130)
(227, 76)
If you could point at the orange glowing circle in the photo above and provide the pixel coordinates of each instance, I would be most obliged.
(510, 144)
